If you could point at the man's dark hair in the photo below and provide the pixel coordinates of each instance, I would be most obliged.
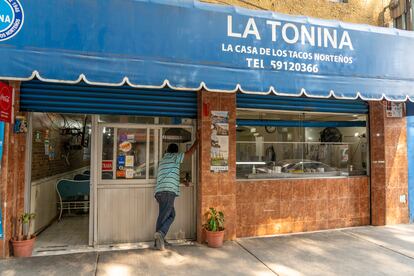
(172, 148)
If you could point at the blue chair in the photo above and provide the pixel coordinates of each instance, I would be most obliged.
(107, 175)
(73, 194)
(82, 177)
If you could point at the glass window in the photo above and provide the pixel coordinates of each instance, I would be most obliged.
(411, 17)
(301, 145)
(183, 139)
(152, 161)
(107, 153)
(175, 121)
(134, 153)
(400, 22)
(126, 119)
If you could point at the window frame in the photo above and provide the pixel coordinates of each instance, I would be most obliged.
(157, 152)
(366, 160)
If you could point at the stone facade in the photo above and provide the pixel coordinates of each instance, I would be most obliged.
(12, 177)
(268, 207)
(216, 190)
(355, 11)
(389, 168)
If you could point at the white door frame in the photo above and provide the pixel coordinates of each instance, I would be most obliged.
(96, 170)
(93, 220)
(28, 165)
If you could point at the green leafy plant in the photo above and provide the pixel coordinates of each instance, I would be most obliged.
(24, 232)
(215, 220)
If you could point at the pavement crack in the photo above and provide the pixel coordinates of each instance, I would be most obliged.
(257, 258)
(96, 263)
(377, 244)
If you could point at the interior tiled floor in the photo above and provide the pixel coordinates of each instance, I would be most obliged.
(69, 232)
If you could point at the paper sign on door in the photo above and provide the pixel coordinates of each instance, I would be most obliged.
(129, 173)
(129, 161)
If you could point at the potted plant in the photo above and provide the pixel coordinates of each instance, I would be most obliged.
(214, 228)
(24, 241)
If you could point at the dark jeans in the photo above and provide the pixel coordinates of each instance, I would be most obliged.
(166, 213)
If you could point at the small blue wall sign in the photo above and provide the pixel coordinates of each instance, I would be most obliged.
(11, 18)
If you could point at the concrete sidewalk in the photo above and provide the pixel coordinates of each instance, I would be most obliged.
(354, 251)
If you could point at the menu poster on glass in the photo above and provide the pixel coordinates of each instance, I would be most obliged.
(129, 161)
(129, 173)
(395, 110)
(219, 141)
(344, 153)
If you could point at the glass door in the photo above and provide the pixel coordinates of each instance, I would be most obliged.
(128, 156)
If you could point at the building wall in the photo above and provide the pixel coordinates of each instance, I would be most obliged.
(356, 11)
(216, 190)
(12, 177)
(268, 207)
(265, 207)
(347, 197)
(389, 166)
(42, 165)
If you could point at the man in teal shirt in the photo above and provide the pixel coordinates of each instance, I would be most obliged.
(167, 188)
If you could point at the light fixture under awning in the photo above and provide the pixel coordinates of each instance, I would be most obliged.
(176, 135)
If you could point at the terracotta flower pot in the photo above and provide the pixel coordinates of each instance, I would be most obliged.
(23, 248)
(214, 239)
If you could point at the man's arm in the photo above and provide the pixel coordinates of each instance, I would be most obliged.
(193, 148)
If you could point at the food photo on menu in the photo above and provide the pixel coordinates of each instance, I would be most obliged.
(131, 157)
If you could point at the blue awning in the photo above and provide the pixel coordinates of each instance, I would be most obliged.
(190, 45)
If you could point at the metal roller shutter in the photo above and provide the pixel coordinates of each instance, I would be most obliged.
(274, 102)
(38, 96)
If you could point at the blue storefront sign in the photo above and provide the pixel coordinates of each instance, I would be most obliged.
(11, 18)
(191, 45)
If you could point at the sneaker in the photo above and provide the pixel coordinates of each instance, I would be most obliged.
(167, 243)
(159, 241)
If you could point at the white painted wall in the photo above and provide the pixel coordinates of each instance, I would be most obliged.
(43, 198)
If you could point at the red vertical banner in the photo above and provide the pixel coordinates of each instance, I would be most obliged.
(6, 102)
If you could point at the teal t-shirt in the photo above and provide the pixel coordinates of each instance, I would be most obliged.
(168, 176)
